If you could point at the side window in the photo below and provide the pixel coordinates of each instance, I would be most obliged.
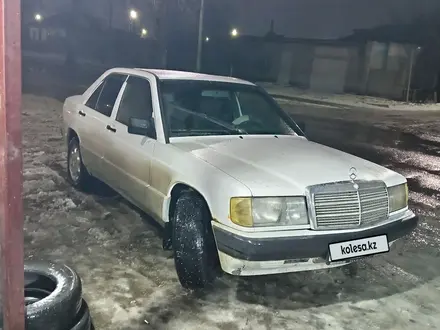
(136, 101)
(93, 99)
(109, 93)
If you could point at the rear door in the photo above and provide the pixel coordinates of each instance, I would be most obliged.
(96, 112)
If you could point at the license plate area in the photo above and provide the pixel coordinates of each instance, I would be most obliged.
(358, 248)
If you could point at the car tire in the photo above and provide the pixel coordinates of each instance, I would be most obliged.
(77, 173)
(52, 296)
(83, 320)
(195, 252)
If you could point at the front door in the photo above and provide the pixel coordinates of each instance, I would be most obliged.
(128, 160)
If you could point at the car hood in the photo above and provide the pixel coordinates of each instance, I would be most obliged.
(284, 165)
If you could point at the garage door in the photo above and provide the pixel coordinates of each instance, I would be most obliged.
(328, 75)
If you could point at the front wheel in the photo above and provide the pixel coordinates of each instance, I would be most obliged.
(195, 252)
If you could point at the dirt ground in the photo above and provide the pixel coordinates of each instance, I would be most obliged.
(130, 282)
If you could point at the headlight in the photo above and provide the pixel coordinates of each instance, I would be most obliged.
(269, 211)
(398, 197)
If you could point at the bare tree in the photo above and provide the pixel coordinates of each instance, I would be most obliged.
(404, 12)
(75, 12)
(421, 27)
(110, 13)
(164, 10)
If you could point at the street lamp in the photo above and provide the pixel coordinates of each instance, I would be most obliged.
(234, 34)
(144, 32)
(133, 14)
(38, 17)
(207, 39)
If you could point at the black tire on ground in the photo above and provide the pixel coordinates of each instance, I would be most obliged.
(82, 179)
(83, 320)
(53, 297)
(195, 252)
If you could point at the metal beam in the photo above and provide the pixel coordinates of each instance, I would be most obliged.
(200, 36)
(11, 205)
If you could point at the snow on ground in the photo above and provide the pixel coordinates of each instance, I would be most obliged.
(346, 100)
(130, 282)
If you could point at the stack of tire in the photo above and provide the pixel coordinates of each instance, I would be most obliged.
(53, 298)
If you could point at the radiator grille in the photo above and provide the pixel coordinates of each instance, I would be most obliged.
(347, 204)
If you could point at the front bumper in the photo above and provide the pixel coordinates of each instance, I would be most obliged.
(309, 246)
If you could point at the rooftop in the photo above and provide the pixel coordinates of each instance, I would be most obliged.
(183, 75)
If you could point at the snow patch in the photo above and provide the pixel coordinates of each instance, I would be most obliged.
(347, 100)
(432, 202)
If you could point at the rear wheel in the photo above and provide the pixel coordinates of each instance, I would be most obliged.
(76, 171)
(195, 252)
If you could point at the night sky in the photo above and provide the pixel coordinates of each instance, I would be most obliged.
(324, 19)
(327, 18)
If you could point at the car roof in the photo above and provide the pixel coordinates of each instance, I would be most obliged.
(184, 75)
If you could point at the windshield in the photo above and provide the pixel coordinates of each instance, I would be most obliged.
(194, 107)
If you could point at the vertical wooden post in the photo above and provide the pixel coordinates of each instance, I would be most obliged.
(11, 206)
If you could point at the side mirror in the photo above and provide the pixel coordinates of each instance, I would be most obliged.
(302, 126)
(142, 127)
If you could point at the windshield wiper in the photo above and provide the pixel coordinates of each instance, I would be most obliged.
(221, 123)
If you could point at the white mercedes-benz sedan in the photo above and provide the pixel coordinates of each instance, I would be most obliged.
(230, 176)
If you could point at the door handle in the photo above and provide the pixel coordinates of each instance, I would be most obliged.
(82, 113)
(111, 129)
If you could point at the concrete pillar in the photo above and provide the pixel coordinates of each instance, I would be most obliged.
(364, 67)
(285, 67)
